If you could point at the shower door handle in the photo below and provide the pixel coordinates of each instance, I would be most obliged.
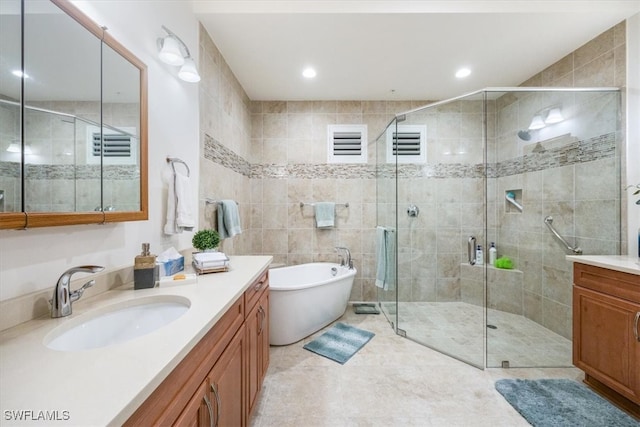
(471, 250)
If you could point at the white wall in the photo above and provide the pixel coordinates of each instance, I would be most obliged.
(633, 128)
(33, 259)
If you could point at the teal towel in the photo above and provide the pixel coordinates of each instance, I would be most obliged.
(325, 214)
(385, 258)
(228, 219)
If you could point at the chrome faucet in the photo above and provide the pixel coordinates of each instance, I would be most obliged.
(345, 261)
(62, 295)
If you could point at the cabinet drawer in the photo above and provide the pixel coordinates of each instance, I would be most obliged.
(611, 282)
(252, 294)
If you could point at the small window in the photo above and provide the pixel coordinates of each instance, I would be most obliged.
(347, 144)
(407, 144)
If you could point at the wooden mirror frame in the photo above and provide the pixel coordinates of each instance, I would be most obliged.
(23, 220)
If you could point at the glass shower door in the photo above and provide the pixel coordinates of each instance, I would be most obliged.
(441, 203)
(386, 223)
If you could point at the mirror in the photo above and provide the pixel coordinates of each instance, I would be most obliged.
(82, 147)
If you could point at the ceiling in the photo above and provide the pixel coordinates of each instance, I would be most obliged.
(397, 50)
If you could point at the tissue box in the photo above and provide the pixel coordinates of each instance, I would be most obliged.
(171, 267)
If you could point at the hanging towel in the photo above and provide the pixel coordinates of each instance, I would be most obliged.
(385, 258)
(179, 208)
(325, 214)
(228, 219)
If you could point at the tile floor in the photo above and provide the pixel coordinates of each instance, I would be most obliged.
(456, 328)
(392, 381)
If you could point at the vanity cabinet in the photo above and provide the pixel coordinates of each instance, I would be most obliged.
(606, 341)
(222, 375)
(257, 324)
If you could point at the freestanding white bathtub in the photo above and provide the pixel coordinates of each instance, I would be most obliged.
(305, 298)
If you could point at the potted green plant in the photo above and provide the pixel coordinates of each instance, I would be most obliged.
(206, 240)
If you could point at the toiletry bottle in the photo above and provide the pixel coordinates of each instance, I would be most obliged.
(145, 270)
(479, 257)
(493, 254)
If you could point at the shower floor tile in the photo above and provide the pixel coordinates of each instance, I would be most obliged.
(391, 381)
(456, 328)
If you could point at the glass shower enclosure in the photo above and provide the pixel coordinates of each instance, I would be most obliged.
(534, 172)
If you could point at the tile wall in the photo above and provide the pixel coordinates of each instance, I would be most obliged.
(58, 176)
(271, 155)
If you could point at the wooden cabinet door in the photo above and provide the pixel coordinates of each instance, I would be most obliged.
(197, 413)
(264, 336)
(252, 323)
(226, 382)
(257, 324)
(605, 346)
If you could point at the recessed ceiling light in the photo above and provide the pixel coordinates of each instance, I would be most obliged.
(309, 73)
(19, 73)
(463, 72)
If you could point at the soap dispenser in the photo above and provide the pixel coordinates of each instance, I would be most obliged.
(145, 270)
(493, 254)
(479, 256)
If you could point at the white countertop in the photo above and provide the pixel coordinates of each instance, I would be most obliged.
(105, 386)
(624, 263)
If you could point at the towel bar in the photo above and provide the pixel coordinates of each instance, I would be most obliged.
(214, 202)
(303, 204)
(173, 160)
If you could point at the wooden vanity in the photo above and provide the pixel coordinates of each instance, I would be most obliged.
(204, 368)
(606, 331)
(218, 382)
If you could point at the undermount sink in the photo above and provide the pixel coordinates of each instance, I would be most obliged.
(117, 323)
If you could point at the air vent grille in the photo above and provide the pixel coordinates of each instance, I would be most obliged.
(347, 144)
(407, 144)
(114, 145)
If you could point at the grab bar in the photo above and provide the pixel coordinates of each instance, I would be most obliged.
(511, 198)
(471, 250)
(575, 249)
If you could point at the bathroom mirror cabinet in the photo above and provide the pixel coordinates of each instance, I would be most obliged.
(73, 120)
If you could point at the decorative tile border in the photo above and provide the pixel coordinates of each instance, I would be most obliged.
(218, 153)
(588, 150)
(71, 172)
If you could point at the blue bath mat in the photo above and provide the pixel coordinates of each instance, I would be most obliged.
(340, 342)
(562, 403)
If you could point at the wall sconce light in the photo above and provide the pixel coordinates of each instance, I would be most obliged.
(551, 115)
(554, 116)
(173, 51)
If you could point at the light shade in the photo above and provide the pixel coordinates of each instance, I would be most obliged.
(554, 116)
(536, 123)
(15, 148)
(170, 51)
(188, 72)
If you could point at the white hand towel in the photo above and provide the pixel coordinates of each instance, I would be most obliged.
(179, 211)
(210, 256)
(184, 210)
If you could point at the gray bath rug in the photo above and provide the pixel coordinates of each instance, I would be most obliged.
(339, 342)
(561, 403)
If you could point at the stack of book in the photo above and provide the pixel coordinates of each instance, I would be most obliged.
(210, 262)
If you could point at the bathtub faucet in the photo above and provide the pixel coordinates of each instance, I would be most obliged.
(345, 261)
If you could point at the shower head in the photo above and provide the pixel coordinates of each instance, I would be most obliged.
(524, 135)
